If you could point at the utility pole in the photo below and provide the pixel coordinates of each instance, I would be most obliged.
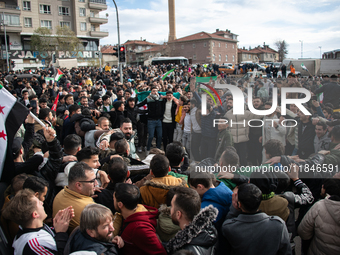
(301, 48)
(119, 64)
(320, 51)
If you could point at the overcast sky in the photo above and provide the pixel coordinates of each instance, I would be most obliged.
(315, 22)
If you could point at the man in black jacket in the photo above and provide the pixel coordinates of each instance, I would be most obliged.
(331, 92)
(37, 165)
(306, 132)
(155, 116)
(197, 233)
(118, 173)
(95, 232)
(168, 123)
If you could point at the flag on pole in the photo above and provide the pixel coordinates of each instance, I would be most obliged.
(320, 96)
(12, 115)
(134, 93)
(304, 67)
(55, 104)
(167, 74)
(59, 74)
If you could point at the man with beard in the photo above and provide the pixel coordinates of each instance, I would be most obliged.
(138, 230)
(197, 233)
(155, 116)
(129, 134)
(95, 232)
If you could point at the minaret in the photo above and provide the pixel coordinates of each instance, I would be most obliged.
(172, 23)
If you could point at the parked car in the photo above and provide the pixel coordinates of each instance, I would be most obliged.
(226, 69)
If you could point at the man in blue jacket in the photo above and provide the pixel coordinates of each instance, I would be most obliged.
(219, 196)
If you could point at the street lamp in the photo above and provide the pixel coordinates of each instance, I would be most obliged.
(119, 64)
(320, 51)
(3, 23)
(301, 48)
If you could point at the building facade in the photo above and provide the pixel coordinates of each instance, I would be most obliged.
(334, 54)
(22, 18)
(258, 54)
(218, 47)
(134, 49)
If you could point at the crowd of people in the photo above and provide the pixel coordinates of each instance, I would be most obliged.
(130, 167)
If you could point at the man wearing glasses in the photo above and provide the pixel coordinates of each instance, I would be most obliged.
(81, 186)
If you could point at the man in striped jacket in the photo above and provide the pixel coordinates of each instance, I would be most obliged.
(34, 237)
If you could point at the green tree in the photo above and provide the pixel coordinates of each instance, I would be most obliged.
(63, 40)
(282, 48)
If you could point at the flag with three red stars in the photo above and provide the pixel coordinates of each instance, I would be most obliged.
(12, 115)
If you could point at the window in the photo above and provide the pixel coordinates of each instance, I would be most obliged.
(214, 57)
(205, 44)
(194, 57)
(213, 44)
(226, 57)
(46, 23)
(140, 47)
(233, 58)
(219, 45)
(64, 24)
(249, 56)
(194, 45)
(182, 46)
(45, 9)
(82, 26)
(173, 47)
(233, 46)
(91, 46)
(226, 45)
(91, 14)
(12, 20)
(26, 5)
(82, 12)
(64, 11)
(219, 58)
(82, 1)
(28, 22)
(93, 28)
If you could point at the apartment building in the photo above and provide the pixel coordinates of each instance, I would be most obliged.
(20, 18)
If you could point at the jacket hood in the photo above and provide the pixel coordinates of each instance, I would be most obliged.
(145, 214)
(221, 194)
(165, 222)
(200, 228)
(333, 208)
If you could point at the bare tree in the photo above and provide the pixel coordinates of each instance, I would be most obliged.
(64, 40)
(282, 48)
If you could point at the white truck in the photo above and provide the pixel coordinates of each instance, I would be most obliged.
(330, 67)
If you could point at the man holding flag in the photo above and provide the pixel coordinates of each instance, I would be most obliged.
(12, 115)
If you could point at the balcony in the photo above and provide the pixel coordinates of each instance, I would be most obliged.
(13, 29)
(98, 4)
(99, 33)
(99, 20)
(8, 8)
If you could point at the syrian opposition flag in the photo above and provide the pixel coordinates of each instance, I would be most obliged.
(55, 104)
(167, 74)
(12, 115)
(59, 74)
(304, 67)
